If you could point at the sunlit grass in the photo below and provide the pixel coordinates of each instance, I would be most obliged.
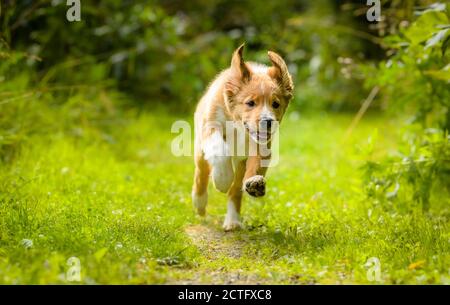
(120, 202)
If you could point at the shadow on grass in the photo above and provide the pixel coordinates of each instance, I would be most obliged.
(259, 242)
(278, 244)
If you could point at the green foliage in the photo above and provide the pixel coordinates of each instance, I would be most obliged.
(28, 108)
(421, 170)
(168, 51)
(415, 80)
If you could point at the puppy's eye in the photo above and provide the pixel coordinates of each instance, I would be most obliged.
(275, 105)
(250, 103)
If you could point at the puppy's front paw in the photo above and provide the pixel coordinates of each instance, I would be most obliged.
(231, 224)
(200, 202)
(255, 186)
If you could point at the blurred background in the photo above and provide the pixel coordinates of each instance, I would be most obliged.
(165, 52)
(148, 55)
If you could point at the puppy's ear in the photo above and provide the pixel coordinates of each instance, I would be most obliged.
(279, 71)
(238, 65)
(240, 72)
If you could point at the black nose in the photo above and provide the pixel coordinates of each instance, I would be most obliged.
(266, 123)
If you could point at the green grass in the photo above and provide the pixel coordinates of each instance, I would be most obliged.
(120, 202)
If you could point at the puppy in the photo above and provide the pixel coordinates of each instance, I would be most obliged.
(254, 98)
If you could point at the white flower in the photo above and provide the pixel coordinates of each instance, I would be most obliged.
(117, 212)
(27, 243)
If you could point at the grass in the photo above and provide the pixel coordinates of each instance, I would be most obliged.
(118, 200)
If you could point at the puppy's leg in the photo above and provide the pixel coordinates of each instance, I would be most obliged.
(216, 153)
(232, 219)
(200, 187)
(254, 182)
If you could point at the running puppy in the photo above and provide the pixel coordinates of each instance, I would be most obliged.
(254, 98)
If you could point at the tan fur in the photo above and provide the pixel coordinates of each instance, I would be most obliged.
(228, 99)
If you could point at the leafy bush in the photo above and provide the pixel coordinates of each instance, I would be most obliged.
(415, 80)
(168, 51)
(28, 108)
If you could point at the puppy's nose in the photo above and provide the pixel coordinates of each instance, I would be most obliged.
(266, 123)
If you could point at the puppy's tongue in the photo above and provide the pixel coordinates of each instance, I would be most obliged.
(263, 135)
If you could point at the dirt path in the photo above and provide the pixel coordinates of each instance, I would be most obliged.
(214, 243)
(217, 246)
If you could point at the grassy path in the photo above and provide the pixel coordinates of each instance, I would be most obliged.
(119, 202)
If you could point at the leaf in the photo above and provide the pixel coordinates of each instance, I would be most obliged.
(437, 7)
(100, 253)
(168, 261)
(437, 38)
(445, 45)
(416, 265)
(394, 192)
(119, 57)
(425, 26)
(443, 74)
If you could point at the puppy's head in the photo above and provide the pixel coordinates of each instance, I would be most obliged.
(258, 96)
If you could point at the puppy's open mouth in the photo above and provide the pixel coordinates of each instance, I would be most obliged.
(259, 136)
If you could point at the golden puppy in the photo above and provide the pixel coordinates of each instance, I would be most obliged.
(254, 98)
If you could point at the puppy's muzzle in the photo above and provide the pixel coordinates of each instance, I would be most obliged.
(266, 124)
